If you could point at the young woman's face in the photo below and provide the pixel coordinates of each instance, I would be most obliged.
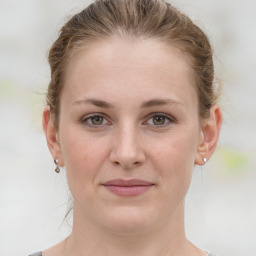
(129, 133)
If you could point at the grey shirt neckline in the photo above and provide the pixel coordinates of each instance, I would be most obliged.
(40, 254)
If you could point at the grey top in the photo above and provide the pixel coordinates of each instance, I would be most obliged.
(40, 254)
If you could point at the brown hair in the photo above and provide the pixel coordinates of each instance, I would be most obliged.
(137, 19)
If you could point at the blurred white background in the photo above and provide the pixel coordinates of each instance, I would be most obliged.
(221, 203)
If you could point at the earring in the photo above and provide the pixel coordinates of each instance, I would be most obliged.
(57, 169)
(205, 160)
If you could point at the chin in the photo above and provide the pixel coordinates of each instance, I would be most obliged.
(129, 220)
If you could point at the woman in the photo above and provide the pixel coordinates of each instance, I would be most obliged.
(131, 108)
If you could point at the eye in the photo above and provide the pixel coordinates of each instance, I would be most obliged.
(160, 120)
(95, 120)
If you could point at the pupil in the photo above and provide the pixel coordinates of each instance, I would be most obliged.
(97, 120)
(159, 120)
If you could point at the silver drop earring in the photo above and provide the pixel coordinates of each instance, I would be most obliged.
(205, 160)
(57, 169)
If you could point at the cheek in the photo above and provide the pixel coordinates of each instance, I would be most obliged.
(83, 155)
(174, 158)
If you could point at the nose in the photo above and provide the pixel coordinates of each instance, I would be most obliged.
(126, 150)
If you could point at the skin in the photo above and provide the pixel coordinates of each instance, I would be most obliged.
(128, 142)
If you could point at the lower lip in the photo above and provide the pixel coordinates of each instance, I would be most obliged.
(128, 191)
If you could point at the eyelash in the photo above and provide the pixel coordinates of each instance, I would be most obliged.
(168, 118)
(152, 115)
(85, 120)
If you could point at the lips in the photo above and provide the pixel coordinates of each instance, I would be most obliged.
(128, 183)
(132, 187)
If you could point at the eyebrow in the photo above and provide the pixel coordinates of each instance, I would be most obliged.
(159, 102)
(147, 104)
(95, 102)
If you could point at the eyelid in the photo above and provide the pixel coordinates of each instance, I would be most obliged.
(87, 117)
(168, 117)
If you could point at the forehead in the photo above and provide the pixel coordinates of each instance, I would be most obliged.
(129, 66)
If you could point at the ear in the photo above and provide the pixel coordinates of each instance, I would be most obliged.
(209, 136)
(52, 137)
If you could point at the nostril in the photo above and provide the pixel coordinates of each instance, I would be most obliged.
(126, 157)
(116, 163)
(126, 165)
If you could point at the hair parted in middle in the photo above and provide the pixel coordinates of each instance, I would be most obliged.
(139, 20)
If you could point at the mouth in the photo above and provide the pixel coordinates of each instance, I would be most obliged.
(132, 187)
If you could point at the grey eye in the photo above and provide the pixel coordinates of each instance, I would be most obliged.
(159, 120)
(96, 120)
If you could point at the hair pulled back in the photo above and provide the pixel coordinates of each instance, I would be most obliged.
(139, 19)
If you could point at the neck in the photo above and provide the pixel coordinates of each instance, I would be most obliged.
(167, 239)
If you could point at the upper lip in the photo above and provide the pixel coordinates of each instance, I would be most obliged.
(128, 183)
